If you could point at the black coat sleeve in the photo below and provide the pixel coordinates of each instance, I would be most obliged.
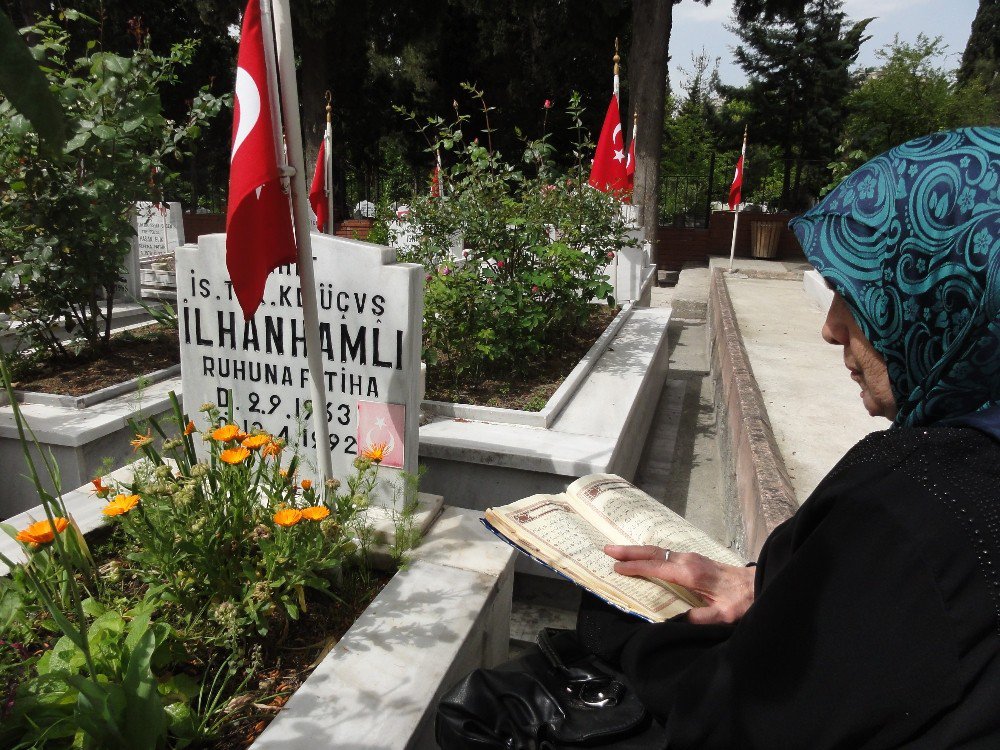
(847, 645)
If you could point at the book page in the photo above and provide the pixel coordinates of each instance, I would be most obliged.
(628, 515)
(548, 528)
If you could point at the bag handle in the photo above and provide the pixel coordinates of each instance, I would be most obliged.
(590, 686)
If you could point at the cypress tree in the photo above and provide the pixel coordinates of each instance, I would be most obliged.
(981, 58)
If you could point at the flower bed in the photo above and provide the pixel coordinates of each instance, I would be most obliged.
(181, 624)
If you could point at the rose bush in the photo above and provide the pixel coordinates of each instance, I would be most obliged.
(534, 243)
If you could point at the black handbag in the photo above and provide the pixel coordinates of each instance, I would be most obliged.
(556, 696)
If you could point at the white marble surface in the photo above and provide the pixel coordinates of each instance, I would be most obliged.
(445, 614)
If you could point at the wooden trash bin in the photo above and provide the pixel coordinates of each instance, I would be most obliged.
(764, 236)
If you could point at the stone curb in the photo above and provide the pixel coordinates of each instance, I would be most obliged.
(759, 494)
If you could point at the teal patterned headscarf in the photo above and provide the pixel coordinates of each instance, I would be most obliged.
(911, 240)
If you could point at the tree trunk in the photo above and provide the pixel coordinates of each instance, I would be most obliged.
(647, 72)
(313, 84)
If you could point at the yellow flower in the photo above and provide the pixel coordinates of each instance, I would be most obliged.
(121, 504)
(234, 455)
(226, 433)
(288, 517)
(256, 441)
(141, 440)
(41, 532)
(189, 428)
(315, 512)
(375, 452)
(99, 487)
(307, 484)
(271, 449)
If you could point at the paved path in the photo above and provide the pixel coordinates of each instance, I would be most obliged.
(814, 407)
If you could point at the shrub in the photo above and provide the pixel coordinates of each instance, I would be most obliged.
(65, 216)
(534, 240)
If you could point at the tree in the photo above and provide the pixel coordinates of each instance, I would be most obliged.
(690, 139)
(799, 78)
(908, 95)
(648, 58)
(982, 52)
(65, 213)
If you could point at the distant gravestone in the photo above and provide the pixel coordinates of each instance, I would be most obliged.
(159, 229)
(371, 313)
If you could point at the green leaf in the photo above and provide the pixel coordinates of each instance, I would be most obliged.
(117, 65)
(92, 607)
(104, 132)
(24, 84)
(145, 719)
(77, 141)
(97, 711)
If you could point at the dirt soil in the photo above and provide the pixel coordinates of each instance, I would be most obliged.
(130, 354)
(287, 666)
(528, 392)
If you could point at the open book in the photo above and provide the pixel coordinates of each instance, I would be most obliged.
(568, 532)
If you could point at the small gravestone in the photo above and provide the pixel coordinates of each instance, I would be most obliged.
(159, 229)
(370, 318)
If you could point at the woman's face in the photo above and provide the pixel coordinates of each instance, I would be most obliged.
(866, 365)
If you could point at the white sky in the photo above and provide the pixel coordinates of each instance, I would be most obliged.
(697, 26)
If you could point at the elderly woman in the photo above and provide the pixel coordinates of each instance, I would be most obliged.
(872, 619)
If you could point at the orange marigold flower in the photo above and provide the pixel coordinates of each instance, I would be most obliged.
(256, 441)
(271, 449)
(315, 512)
(121, 504)
(234, 455)
(226, 433)
(41, 532)
(189, 428)
(141, 440)
(288, 517)
(241, 436)
(307, 484)
(100, 489)
(375, 452)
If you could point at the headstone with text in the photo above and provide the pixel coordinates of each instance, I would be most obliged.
(159, 229)
(370, 321)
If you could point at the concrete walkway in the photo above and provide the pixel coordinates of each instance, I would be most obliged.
(813, 405)
(679, 466)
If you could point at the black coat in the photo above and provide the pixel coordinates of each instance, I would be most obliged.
(875, 622)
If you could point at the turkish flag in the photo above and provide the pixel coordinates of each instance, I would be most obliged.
(630, 167)
(436, 182)
(258, 223)
(317, 191)
(608, 172)
(735, 191)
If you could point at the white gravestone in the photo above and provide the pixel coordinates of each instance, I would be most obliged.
(370, 318)
(159, 229)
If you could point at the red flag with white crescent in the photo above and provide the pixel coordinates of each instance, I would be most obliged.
(735, 190)
(259, 234)
(608, 172)
(630, 166)
(317, 191)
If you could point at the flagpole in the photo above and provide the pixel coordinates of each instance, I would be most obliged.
(303, 242)
(328, 165)
(267, 29)
(440, 174)
(616, 59)
(736, 218)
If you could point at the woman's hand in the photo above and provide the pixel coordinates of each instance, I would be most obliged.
(728, 589)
